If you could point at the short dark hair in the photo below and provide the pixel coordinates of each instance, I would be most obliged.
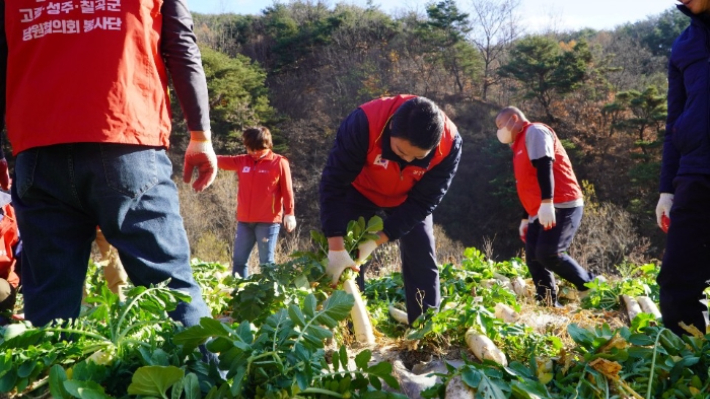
(257, 138)
(420, 122)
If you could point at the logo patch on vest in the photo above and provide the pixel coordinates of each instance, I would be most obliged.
(381, 162)
(246, 169)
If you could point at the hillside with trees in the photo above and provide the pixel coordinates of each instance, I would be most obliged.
(301, 67)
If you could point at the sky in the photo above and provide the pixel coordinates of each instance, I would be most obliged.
(538, 15)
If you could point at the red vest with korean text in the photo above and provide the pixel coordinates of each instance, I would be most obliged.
(566, 186)
(8, 238)
(85, 71)
(382, 181)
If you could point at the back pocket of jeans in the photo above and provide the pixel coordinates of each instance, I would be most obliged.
(130, 170)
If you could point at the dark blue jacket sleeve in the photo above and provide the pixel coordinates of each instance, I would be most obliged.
(345, 161)
(426, 195)
(676, 103)
(184, 62)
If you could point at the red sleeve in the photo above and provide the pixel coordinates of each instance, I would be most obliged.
(286, 187)
(229, 162)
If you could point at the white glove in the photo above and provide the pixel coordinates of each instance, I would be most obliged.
(290, 222)
(338, 261)
(546, 215)
(523, 229)
(364, 250)
(665, 202)
(200, 155)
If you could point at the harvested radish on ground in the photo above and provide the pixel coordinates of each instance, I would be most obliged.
(506, 313)
(520, 287)
(483, 348)
(457, 389)
(361, 319)
(648, 306)
(632, 307)
(399, 315)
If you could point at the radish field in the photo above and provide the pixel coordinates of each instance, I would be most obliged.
(286, 333)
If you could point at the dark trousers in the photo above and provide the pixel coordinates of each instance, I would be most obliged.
(420, 272)
(545, 252)
(685, 270)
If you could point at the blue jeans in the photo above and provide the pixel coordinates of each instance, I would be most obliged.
(62, 192)
(248, 234)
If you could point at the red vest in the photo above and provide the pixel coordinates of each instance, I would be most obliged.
(8, 238)
(381, 180)
(566, 186)
(85, 72)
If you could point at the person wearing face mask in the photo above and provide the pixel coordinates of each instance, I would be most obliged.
(265, 198)
(397, 156)
(552, 198)
(682, 209)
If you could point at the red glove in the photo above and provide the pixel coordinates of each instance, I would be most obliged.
(5, 181)
(200, 156)
(665, 223)
(523, 229)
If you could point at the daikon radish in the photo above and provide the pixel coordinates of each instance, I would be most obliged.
(648, 306)
(457, 389)
(520, 287)
(632, 307)
(483, 348)
(361, 320)
(506, 313)
(399, 315)
(487, 283)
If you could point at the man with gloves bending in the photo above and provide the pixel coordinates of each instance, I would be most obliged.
(397, 155)
(552, 198)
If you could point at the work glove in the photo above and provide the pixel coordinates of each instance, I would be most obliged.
(290, 222)
(338, 261)
(546, 215)
(200, 156)
(663, 211)
(4, 175)
(364, 250)
(523, 229)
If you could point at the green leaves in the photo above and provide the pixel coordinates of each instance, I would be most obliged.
(154, 380)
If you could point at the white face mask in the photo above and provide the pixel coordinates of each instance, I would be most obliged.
(505, 136)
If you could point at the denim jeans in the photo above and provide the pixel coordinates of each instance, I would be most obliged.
(62, 192)
(263, 234)
(545, 253)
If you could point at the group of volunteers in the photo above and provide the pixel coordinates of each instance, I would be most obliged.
(88, 119)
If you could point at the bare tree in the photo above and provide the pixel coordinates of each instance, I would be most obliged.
(494, 26)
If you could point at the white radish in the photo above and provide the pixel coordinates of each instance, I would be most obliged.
(457, 389)
(506, 313)
(648, 306)
(399, 315)
(483, 348)
(361, 319)
(520, 287)
(632, 307)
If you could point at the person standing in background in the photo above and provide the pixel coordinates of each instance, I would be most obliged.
(264, 200)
